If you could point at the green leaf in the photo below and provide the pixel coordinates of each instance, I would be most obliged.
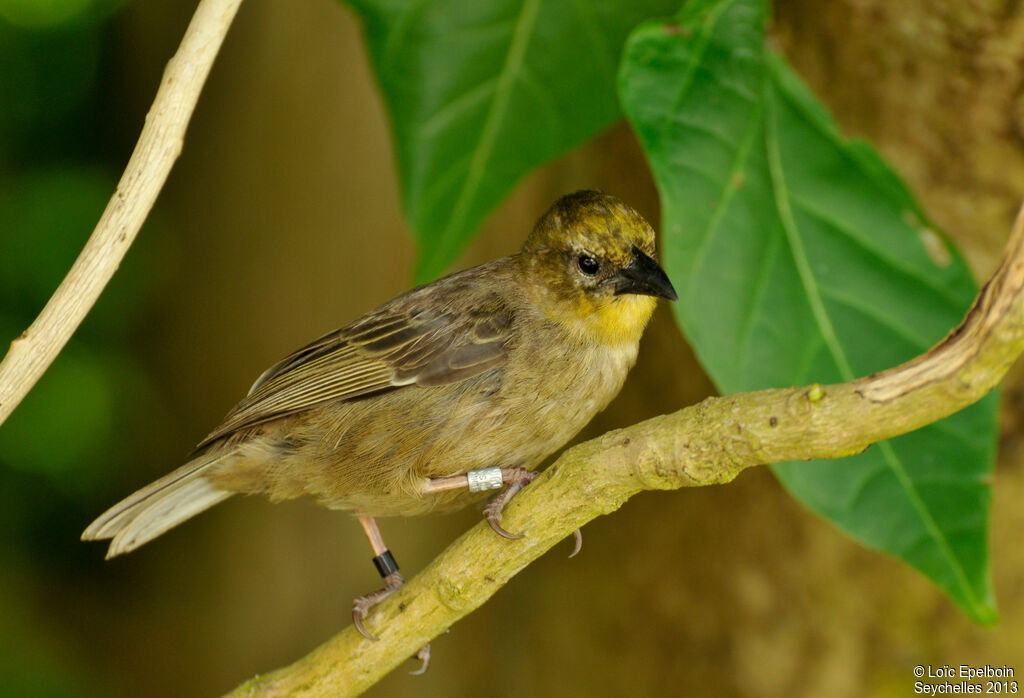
(480, 93)
(801, 257)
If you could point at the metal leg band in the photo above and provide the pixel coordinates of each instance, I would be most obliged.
(485, 479)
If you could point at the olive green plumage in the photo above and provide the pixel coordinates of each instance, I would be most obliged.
(498, 365)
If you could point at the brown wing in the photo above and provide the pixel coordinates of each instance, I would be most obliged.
(402, 343)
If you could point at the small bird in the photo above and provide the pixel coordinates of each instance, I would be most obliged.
(455, 388)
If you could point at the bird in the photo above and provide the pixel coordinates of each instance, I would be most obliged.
(456, 388)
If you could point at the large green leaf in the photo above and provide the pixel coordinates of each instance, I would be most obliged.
(800, 257)
(480, 93)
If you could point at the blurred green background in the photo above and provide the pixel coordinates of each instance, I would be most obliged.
(281, 221)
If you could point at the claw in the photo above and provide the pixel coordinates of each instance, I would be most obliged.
(424, 656)
(359, 612)
(517, 479)
(493, 521)
(361, 605)
(578, 537)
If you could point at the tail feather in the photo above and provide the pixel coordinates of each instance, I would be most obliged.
(157, 508)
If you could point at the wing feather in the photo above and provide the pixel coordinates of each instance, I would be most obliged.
(402, 343)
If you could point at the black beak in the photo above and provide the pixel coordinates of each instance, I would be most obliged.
(643, 276)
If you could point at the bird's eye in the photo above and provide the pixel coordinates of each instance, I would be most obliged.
(588, 264)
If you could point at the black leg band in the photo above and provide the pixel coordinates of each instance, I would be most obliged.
(385, 563)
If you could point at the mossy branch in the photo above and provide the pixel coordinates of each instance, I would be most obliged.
(158, 147)
(705, 444)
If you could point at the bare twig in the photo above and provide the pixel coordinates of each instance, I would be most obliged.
(158, 147)
(705, 444)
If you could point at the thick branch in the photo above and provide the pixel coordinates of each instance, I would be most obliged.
(158, 147)
(704, 444)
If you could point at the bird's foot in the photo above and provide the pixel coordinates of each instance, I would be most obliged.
(361, 605)
(515, 480)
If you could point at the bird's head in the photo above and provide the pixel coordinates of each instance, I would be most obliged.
(590, 263)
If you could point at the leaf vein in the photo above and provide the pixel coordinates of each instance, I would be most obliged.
(521, 36)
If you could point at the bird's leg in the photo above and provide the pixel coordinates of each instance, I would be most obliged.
(393, 581)
(493, 478)
(388, 568)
